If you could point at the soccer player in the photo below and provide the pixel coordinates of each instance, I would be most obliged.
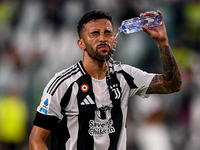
(84, 107)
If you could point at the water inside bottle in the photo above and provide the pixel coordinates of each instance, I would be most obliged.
(131, 25)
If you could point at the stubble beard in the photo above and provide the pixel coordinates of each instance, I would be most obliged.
(97, 56)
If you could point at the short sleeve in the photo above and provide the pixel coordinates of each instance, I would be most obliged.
(49, 109)
(141, 79)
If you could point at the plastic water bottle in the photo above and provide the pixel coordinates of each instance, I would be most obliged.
(134, 24)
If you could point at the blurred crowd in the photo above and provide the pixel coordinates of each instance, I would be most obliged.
(38, 38)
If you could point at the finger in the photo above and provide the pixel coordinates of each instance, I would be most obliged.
(158, 11)
(148, 13)
(141, 14)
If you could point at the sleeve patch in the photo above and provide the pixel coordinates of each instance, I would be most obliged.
(45, 106)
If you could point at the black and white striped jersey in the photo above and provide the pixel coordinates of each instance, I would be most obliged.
(84, 113)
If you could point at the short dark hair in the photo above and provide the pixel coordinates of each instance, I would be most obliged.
(92, 15)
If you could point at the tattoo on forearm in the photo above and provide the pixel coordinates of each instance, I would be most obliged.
(170, 81)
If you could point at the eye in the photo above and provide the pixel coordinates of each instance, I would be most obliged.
(108, 32)
(95, 33)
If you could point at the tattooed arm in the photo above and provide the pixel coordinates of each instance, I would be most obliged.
(170, 81)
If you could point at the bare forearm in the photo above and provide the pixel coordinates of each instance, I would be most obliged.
(171, 73)
(37, 145)
(37, 138)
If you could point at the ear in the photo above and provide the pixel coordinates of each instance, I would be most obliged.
(81, 44)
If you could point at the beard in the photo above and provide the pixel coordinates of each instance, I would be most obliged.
(97, 56)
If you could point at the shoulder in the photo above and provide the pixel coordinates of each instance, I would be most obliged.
(64, 78)
(72, 69)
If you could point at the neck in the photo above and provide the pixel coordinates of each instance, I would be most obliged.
(94, 68)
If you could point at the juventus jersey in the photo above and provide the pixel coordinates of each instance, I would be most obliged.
(84, 113)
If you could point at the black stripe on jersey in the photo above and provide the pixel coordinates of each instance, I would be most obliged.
(116, 111)
(81, 95)
(128, 78)
(60, 76)
(86, 113)
(59, 135)
(66, 98)
(117, 117)
(85, 141)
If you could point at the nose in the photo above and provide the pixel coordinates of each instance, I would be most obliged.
(102, 37)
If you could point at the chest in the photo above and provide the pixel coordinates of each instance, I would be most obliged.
(89, 94)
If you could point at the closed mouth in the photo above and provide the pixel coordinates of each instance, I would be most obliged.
(103, 47)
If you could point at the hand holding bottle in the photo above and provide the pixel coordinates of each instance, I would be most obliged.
(158, 33)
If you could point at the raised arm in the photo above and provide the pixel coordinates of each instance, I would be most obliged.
(170, 81)
(38, 137)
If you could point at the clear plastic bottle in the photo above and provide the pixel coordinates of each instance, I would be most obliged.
(134, 24)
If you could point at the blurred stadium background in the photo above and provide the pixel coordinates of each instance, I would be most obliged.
(38, 38)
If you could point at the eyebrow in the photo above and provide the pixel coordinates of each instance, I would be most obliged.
(95, 31)
(107, 30)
